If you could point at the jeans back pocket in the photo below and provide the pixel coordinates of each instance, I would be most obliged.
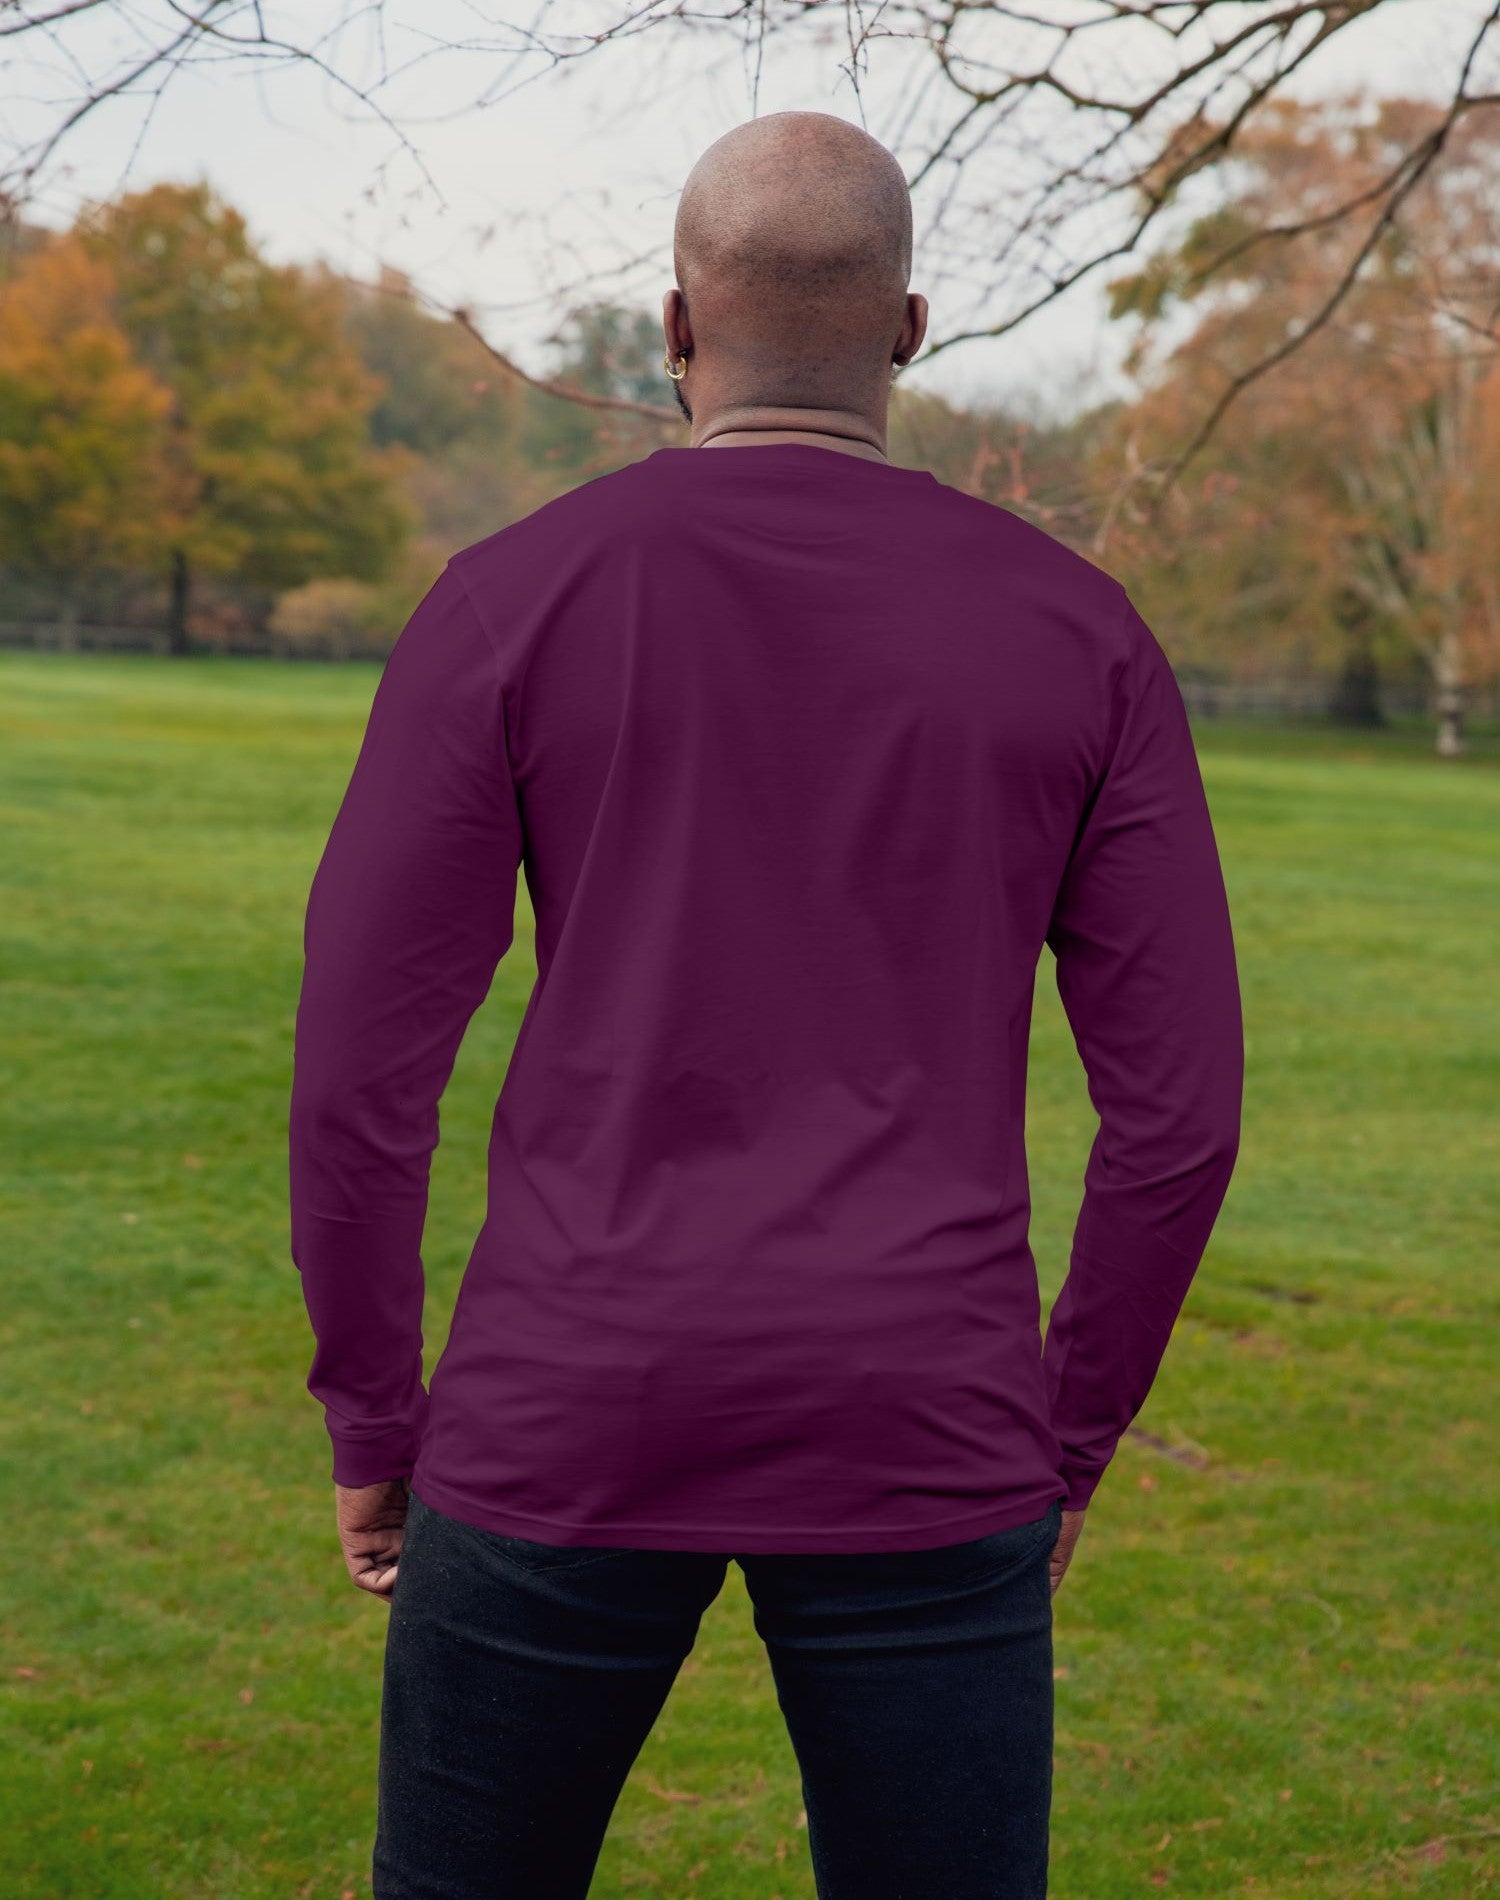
(525, 1552)
(1003, 1550)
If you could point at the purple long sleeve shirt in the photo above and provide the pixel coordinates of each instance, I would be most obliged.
(804, 758)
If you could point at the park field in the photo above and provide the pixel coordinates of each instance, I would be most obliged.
(1274, 1652)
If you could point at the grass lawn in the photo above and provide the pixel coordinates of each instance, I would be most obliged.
(1274, 1675)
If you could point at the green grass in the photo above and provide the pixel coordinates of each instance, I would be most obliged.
(1274, 1668)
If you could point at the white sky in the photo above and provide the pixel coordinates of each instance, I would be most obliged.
(576, 171)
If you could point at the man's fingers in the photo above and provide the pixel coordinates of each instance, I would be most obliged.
(372, 1570)
(373, 1567)
(1062, 1550)
(372, 1528)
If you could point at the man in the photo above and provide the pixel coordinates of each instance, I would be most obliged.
(805, 757)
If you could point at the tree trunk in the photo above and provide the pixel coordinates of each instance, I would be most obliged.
(1355, 700)
(1356, 695)
(178, 638)
(1448, 701)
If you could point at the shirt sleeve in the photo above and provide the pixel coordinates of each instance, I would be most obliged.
(1145, 967)
(410, 909)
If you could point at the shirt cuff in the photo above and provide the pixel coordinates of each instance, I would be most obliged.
(376, 1457)
(1081, 1487)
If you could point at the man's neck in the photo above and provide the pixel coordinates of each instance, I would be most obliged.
(747, 425)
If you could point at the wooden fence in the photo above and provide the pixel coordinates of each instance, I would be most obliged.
(1297, 696)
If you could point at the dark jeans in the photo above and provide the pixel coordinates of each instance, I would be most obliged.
(521, 1680)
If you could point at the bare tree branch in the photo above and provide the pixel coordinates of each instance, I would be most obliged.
(570, 392)
(1042, 141)
(1413, 168)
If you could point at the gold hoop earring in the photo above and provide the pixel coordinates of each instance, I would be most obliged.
(676, 374)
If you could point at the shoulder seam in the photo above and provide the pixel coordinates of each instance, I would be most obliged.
(455, 567)
(1119, 698)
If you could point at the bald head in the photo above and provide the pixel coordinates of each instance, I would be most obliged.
(792, 248)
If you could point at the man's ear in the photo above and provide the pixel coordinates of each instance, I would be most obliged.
(913, 329)
(676, 330)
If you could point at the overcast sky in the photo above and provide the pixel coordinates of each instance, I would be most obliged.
(573, 173)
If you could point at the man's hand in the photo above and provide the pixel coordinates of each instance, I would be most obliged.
(1062, 1550)
(372, 1521)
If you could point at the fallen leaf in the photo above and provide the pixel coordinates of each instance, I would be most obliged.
(668, 1794)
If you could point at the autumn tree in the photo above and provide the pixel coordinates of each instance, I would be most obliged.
(454, 420)
(85, 476)
(268, 432)
(437, 388)
(484, 446)
(1343, 490)
(612, 353)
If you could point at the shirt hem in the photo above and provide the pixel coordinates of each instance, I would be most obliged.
(757, 1540)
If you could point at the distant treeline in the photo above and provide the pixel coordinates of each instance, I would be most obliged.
(229, 452)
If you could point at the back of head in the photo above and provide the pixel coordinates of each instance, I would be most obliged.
(792, 248)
